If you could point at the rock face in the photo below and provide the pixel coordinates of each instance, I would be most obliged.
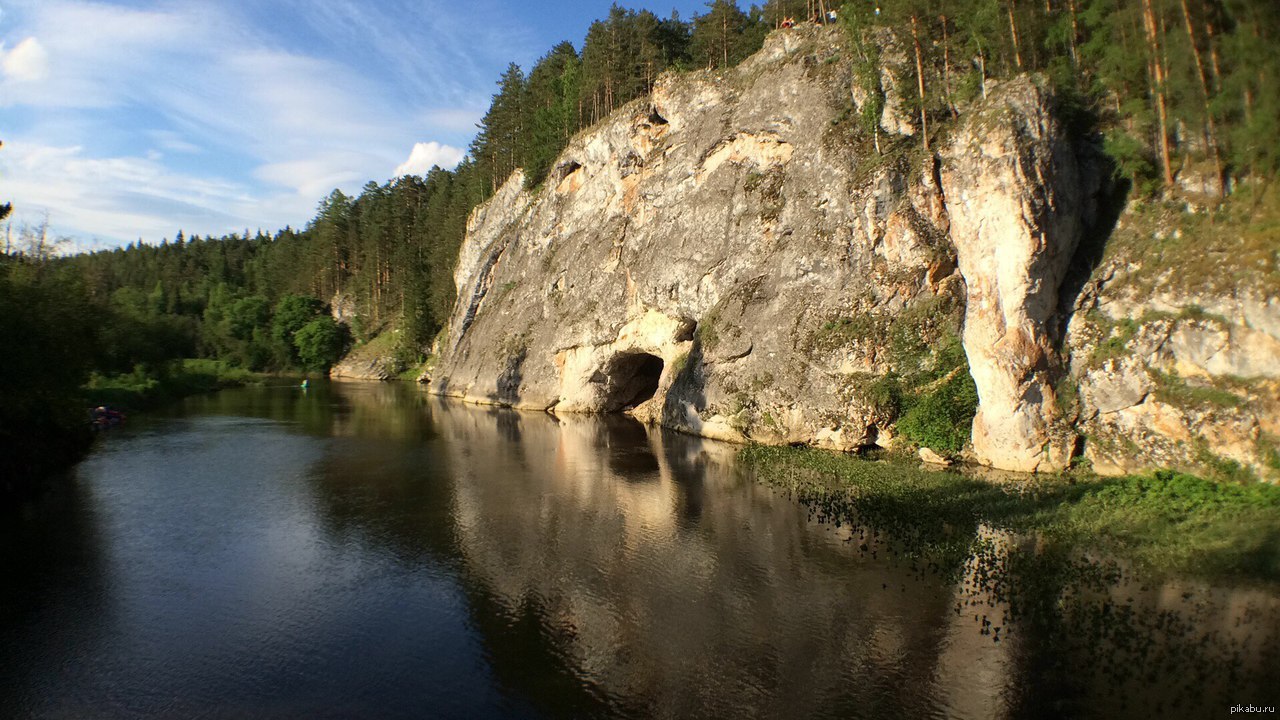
(714, 260)
(731, 258)
(373, 360)
(355, 367)
(1170, 380)
(1018, 203)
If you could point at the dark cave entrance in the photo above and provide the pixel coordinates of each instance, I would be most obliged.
(632, 379)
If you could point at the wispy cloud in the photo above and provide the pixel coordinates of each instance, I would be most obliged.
(219, 121)
(119, 197)
(173, 142)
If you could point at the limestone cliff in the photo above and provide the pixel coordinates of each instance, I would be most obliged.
(731, 258)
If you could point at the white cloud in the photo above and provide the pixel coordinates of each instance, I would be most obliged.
(160, 114)
(312, 177)
(125, 197)
(28, 61)
(426, 155)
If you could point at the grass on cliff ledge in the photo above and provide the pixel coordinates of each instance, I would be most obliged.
(1164, 246)
(1166, 524)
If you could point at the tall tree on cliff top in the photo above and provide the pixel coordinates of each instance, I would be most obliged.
(332, 251)
(551, 106)
(496, 147)
(777, 11)
(672, 39)
(724, 36)
(1250, 71)
(621, 58)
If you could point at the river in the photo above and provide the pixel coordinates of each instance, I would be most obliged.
(363, 550)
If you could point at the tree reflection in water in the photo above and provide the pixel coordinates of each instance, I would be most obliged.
(364, 549)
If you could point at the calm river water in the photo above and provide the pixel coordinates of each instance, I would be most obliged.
(362, 550)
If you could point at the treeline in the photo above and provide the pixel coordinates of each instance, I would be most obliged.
(45, 322)
(385, 257)
(1175, 85)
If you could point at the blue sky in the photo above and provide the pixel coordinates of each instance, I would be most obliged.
(130, 119)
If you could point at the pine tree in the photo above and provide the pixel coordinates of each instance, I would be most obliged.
(497, 144)
(721, 37)
(551, 108)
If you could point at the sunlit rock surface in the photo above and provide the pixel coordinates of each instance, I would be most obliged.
(731, 257)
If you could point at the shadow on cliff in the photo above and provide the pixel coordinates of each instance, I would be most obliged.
(688, 388)
(1111, 198)
(507, 390)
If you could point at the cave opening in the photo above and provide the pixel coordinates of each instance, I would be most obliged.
(566, 169)
(632, 379)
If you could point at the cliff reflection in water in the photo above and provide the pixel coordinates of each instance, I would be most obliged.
(368, 410)
(666, 578)
(670, 581)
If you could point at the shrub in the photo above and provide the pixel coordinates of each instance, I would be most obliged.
(942, 418)
(321, 342)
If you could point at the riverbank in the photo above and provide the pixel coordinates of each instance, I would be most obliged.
(54, 442)
(1163, 525)
(144, 389)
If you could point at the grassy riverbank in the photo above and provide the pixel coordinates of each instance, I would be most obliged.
(1165, 524)
(144, 388)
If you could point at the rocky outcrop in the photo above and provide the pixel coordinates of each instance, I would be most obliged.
(1018, 202)
(354, 367)
(712, 259)
(373, 360)
(1172, 380)
(731, 257)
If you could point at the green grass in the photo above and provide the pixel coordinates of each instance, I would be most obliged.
(1116, 337)
(942, 418)
(1228, 249)
(1173, 389)
(707, 334)
(929, 388)
(679, 364)
(412, 372)
(1269, 447)
(1165, 524)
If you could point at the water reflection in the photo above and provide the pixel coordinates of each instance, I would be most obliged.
(45, 593)
(1083, 635)
(374, 411)
(363, 550)
(679, 586)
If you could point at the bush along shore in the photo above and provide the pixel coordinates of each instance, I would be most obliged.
(107, 399)
(146, 388)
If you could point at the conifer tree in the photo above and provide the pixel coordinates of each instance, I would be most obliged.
(722, 37)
